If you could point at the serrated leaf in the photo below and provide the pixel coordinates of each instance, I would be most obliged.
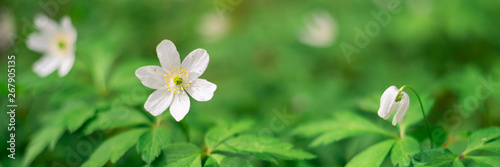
(436, 157)
(487, 161)
(41, 139)
(372, 156)
(152, 142)
(482, 136)
(216, 160)
(222, 132)
(344, 125)
(263, 146)
(114, 148)
(183, 154)
(403, 151)
(115, 118)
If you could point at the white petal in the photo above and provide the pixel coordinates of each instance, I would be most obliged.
(151, 76)
(387, 101)
(38, 42)
(402, 109)
(158, 102)
(168, 55)
(180, 106)
(46, 65)
(66, 65)
(201, 90)
(68, 28)
(196, 63)
(45, 24)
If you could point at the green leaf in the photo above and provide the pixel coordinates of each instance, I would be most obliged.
(183, 154)
(152, 142)
(115, 118)
(216, 160)
(436, 157)
(41, 139)
(490, 146)
(344, 125)
(482, 136)
(114, 148)
(220, 133)
(263, 146)
(372, 156)
(487, 161)
(76, 114)
(403, 151)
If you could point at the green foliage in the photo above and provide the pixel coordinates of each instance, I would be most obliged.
(216, 160)
(217, 135)
(71, 117)
(436, 157)
(403, 150)
(343, 125)
(183, 154)
(41, 139)
(263, 147)
(480, 137)
(114, 148)
(152, 142)
(487, 161)
(372, 156)
(115, 118)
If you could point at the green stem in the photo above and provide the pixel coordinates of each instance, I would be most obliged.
(185, 129)
(423, 113)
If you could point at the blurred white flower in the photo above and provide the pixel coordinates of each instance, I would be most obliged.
(173, 79)
(56, 42)
(392, 101)
(7, 29)
(321, 30)
(213, 26)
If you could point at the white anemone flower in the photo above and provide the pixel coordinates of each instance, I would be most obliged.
(391, 101)
(214, 26)
(56, 42)
(321, 30)
(172, 80)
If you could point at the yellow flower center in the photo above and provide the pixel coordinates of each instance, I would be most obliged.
(177, 80)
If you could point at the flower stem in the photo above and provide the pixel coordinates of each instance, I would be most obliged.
(423, 113)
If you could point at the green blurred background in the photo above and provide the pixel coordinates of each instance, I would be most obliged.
(449, 51)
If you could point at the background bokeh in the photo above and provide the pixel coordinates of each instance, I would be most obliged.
(449, 51)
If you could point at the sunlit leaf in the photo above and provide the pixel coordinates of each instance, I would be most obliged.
(487, 161)
(114, 118)
(152, 142)
(372, 156)
(114, 147)
(222, 132)
(344, 125)
(183, 154)
(482, 136)
(403, 151)
(263, 146)
(216, 160)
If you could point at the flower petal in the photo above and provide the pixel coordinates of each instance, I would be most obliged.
(158, 102)
(68, 28)
(180, 106)
(66, 65)
(196, 63)
(151, 76)
(201, 90)
(168, 55)
(45, 24)
(38, 42)
(387, 101)
(402, 109)
(46, 65)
